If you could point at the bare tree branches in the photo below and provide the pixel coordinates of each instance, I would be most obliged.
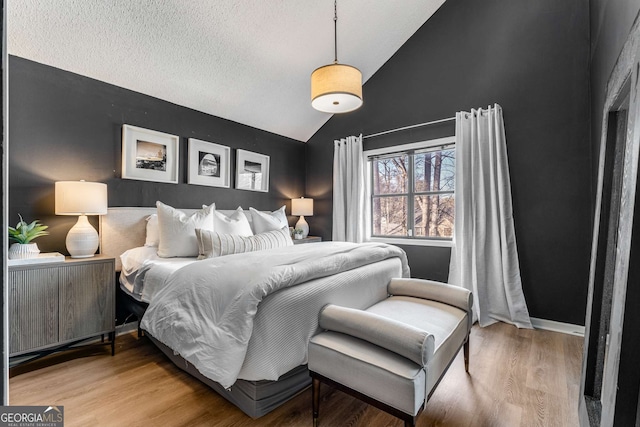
(413, 194)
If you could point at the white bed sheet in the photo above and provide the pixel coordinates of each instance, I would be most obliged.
(288, 319)
(144, 273)
(213, 326)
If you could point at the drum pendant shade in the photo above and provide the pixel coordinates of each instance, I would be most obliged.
(336, 88)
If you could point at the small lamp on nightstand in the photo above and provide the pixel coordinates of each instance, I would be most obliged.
(302, 207)
(81, 198)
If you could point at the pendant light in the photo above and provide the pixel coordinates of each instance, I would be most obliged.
(336, 88)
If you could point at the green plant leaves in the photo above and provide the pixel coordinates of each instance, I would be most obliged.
(24, 233)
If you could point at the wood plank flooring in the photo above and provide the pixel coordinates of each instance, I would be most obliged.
(517, 378)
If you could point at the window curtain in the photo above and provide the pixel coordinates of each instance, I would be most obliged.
(484, 257)
(349, 213)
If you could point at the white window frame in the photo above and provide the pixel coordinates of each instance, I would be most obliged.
(410, 241)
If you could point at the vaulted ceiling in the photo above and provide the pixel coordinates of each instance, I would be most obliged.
(244, 60)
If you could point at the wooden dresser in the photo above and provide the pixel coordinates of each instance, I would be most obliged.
(52, 306)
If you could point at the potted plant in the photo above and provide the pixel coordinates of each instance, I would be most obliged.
(298, 233)
(23, 234)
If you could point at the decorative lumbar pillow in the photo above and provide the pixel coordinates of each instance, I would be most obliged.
(213, 244)
(236, 223)
(264, 221)
(177, 230)
(153, 231)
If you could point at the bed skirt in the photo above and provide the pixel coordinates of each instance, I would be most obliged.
(254, 398)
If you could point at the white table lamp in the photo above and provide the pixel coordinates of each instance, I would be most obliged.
(302, 207)
(81, 198)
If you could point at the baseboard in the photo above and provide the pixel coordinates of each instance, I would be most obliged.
(126, 328)
(552, 325)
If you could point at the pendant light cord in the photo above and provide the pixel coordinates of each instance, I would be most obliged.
(335, 31)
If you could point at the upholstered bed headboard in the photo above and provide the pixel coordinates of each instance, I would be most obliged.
(122, 229)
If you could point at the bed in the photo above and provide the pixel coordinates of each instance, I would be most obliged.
(269, 366)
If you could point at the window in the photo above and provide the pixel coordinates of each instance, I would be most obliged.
(412, 190)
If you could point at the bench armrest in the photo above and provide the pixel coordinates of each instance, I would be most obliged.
(408, 341)
(435, 291)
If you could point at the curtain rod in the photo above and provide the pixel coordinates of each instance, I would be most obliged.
(409, 127)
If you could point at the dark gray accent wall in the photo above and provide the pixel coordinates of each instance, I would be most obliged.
(533, 59)
(68, 127)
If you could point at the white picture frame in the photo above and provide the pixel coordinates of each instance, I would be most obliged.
(208, 164)
(149, 155)
(252, 171)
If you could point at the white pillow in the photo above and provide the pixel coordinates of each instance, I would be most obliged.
(263, 222)
(153, 231)
(213, 244)
(236, 223)
(177, 230)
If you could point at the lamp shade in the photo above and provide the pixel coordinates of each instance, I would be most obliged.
(81, 198)
(336, 88)
(302, 207)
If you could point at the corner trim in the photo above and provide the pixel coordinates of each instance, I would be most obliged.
(552, 325)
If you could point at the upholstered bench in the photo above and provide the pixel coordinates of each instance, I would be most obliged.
(393, 354)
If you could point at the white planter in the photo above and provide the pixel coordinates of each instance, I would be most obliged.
(23, 250)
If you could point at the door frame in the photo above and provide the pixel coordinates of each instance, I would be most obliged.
(626, 74)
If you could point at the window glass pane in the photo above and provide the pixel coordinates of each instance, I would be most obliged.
(435, 170)
(390, 175)
(390, 216)
(433, 215)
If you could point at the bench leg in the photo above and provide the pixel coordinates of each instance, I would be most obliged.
(466, 355)
(315, 395)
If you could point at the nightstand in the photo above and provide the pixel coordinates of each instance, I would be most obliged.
(54, 306)
(308, 239)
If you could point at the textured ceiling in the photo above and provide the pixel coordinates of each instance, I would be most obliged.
(248, 61)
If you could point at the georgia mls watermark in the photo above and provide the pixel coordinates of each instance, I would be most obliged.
(31, 416)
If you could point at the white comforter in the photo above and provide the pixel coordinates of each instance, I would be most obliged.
(144, 272)
(206, 309)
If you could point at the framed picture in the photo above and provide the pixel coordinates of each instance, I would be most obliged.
(208, 164)
(148, 155)
(252, 171)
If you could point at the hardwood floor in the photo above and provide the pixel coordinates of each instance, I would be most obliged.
(517, 378)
